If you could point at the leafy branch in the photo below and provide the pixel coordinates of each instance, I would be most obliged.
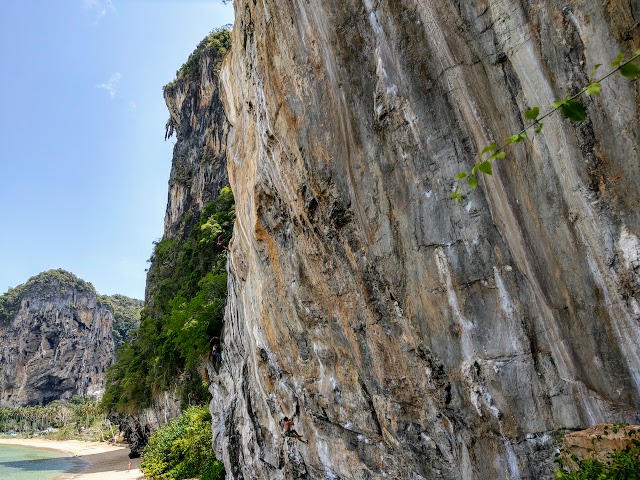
(570, 107)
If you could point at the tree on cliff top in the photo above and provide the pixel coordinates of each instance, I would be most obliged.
(57, 283)
(217, 44)
(45, 285)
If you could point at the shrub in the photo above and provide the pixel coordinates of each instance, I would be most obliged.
(183, 449)
(217, 43)
(186, 293)
(618, 464)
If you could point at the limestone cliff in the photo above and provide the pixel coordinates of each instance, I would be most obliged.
(57, 338)
(413, 337)
(196, 116)
(137, 428)
(198, 172)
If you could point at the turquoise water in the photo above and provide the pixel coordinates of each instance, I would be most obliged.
(26, 463)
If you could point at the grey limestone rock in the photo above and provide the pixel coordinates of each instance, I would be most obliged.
(413, 337)
(56, 340)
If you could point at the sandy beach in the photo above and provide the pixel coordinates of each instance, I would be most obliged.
(96, 460)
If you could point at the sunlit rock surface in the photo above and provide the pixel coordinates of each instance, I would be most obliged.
(597, 443)
(413, 337)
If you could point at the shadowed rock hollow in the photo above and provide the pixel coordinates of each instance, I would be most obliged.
(416, 338)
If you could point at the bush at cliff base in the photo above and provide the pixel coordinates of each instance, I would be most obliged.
(619, 464)
(183, 449)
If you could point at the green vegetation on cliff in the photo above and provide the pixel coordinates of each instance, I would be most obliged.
(602, 462)
(126, 316)
(182, 449)
(187, 288)
(217, 43)
(45, 285)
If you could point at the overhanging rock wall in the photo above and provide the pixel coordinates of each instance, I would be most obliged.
(412, 336)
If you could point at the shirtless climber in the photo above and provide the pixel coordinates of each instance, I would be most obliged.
(290, 432)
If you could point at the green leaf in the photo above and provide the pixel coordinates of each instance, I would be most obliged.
(473, 183)
(630, 70)
(454, 194)
(593, 72)
(485, 167)
(490, 148)
(539, 127)
(517, 138)
(475, 168)
(559, 103)
(461, 175)
(532, 114)
(594, 89)
(497, 155)
(574, 111)
(618, 60)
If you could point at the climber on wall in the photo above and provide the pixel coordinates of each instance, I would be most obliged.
(290, 432)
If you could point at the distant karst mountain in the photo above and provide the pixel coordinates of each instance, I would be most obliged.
(58, 336)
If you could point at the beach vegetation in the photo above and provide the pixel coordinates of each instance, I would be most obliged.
(183, 449)
(78, 419)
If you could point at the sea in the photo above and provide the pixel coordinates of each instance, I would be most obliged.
(27, 463)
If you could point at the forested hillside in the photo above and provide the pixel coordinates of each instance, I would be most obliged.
(188, 284)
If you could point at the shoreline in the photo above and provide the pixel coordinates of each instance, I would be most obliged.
(92, 460)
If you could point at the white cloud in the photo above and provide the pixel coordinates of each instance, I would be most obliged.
(98, 9)
(112, 84)
(132, 105)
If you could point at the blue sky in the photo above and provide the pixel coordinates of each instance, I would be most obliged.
(83, 162)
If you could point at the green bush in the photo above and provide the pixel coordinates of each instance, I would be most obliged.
(186, 292)
(623, 464)
(183, 449)
(217, 43)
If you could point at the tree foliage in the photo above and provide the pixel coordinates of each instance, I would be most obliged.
(187, 289)
(620, 464)
(126, 316)
(183, 449)
(81, 418)
(216, 44)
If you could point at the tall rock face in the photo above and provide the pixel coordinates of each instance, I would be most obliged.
(413, 337)
(199, 164)
(198, 172)
(56, 340)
